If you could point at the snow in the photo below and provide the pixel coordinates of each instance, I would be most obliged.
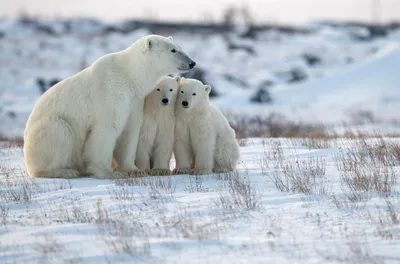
(209, 219)
(371, 85)
(176, 219)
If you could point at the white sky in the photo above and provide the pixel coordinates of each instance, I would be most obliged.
(285, 11)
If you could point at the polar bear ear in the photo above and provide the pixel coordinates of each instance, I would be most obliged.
(177, 79)
(170, 38)
(148, 44)
(208, 88)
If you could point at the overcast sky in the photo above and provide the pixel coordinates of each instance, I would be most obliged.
(285, 11)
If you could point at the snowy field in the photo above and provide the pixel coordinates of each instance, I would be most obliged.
(304, 200)
(329, 197)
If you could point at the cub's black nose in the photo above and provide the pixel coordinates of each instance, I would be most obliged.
(192, 64)
(184, 103)
(164, 101)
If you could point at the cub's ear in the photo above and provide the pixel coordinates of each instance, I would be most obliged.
(170, 38)
(208, 88)
(148, 45)
(177, 79)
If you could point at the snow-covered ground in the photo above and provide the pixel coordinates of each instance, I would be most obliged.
(236, 218)
(331, 74)
(314, 200)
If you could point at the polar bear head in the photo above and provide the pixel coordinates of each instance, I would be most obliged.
(193, 94)
(165, 92)
(164, 55)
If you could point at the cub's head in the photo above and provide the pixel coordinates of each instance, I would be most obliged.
(165, 91)
(165, 55)
(193, 94)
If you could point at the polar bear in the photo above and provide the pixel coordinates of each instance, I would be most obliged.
(156, 139)
(78, 124)
(204, 141)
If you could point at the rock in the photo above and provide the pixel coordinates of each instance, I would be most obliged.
(53, 82)
(44, 85)
(262, 94)
(296, 75)
(11, 114)
(311, 59)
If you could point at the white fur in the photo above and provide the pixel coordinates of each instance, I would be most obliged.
(204, 141)
(77, 124)
(156, 139)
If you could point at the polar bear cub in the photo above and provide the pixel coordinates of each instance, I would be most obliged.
(156, 139)
(78, 124)
(204, 141)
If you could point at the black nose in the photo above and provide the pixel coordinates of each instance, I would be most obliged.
(184, 103)
(165, 101)
(192, 64)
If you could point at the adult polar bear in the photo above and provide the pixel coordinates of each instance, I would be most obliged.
(77, 124)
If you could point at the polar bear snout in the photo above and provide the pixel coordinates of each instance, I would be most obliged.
(165, 101)
(192, 64)
(185, 104)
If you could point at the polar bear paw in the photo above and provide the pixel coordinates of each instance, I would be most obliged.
(199, 171)
(137, 173)
(159, 172)
(181, 171)
(222, 170)
(60, 173)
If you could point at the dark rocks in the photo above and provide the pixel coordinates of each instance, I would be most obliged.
(44, 84)
(262, 94)
(311, 60)
(293, 75)
(296, 75)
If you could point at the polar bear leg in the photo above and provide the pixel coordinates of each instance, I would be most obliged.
(183, 157)
(127, 143)
(48, 149)
(162, 153)
(143, 155)
(204, 156)
(98, 152)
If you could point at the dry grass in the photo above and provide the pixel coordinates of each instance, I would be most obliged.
(48, 248)
(303, 176)
(306, 176)
(273, 125)
(15, 142)
(387, 220)
(4, 211)
(368, 167)
(241, 195)
(353, 252)
(121, 237)
(18, 186)
(196, 184)
(165, 183)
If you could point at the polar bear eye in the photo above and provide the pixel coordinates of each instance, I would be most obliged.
(173, 50)
(194, 94)
(171, 90)
(158, 89)
(181, 91)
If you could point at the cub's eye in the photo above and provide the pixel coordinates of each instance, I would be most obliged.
(170, 90)
(158, 89)
(181, 91)
(173, 50)
(194, 94)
